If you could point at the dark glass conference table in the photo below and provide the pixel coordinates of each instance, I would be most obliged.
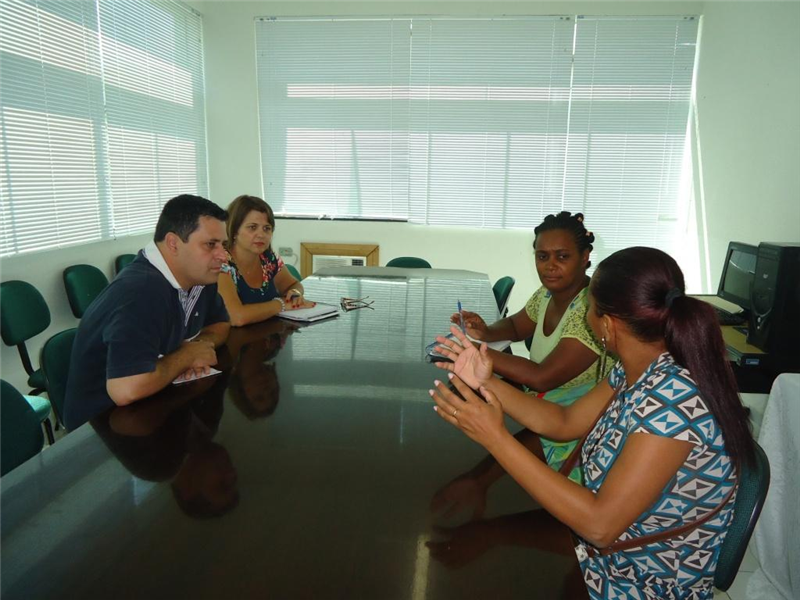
(305, 470)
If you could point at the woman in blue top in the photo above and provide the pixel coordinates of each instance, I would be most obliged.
(254, 283)
(667, 432)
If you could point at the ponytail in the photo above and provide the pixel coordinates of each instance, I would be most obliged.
(694, 339)
(644, 288)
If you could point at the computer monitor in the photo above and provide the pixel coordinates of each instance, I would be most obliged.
(738, 273)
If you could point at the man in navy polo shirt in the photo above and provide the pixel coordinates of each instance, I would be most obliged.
(159, 320)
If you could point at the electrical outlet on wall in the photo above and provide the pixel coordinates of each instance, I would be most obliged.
(286, 251)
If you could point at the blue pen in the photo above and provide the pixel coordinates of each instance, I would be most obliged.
(461, 318)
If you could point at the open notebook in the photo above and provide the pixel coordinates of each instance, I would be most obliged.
(309, 315)
(430, 350)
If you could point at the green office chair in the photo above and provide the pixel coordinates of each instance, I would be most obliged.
(20, 435)
(753, 487)
(23, 315)
(55, 359)
(409, 262)
(122, 261)
(293, 272)
(83, 284)
(502, 290)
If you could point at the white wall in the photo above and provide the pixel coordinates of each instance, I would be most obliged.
(748, 93)
(234, 142)
(748, 109)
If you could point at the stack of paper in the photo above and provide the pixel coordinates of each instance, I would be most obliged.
(499, 345)
(309, 315)
(194, 377)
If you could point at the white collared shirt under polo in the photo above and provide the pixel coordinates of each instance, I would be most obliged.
(187, 298)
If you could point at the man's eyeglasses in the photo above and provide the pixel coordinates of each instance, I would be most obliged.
(349, 304)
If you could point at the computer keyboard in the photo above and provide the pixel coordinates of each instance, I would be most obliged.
(726, 318)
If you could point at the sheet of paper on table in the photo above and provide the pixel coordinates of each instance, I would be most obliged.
(211, 372)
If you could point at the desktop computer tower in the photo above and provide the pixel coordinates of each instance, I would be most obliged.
(775, 300)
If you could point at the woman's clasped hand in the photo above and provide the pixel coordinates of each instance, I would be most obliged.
(480, 417)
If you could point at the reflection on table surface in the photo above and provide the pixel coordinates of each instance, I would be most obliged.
(305, 470)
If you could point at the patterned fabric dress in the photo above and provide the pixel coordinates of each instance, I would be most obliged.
(664, 401)
(573, 325)
(271, 264)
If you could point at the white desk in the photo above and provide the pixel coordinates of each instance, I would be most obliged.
(777, 535)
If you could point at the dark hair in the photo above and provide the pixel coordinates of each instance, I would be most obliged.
(568, 222)
(240, 208)
(181, 216)
(644, 288)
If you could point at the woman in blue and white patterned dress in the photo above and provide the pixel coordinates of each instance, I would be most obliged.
(666, 433)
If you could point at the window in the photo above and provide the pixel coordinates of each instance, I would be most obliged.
(334, 116)
(480, 122)
(102, 118)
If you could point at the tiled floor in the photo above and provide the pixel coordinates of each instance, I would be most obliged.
(738, 589)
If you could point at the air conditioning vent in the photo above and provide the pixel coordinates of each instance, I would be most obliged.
(323, 261)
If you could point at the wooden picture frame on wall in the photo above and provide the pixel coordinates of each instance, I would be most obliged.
(308, 250)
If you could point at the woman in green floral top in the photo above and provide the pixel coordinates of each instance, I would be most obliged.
(564, 357)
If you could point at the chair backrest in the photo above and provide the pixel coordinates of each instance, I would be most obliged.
(750, 497)
(21, 435)
(122, 261)
(55, 359)
(502, 290)
(293, 271)
(83, 283)
(23, 312)
(409, 262)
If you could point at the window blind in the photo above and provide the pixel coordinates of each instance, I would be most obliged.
(101, 118)
(481, 122)
(51, 114)
(155, 113)
(334, 116)
(488, 130)
(628, 121)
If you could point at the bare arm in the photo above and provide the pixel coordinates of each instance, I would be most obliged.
(557, 422)
(568, 359)
(285, 282)
(216, 333)
(244, 314)
(645, 466)
(552, 420)
(190, 355)
(516, 328)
